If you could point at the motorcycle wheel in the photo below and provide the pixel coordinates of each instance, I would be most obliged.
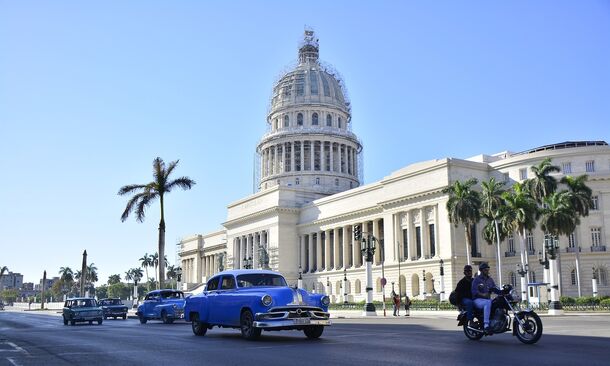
(471, 334)
(531, 331)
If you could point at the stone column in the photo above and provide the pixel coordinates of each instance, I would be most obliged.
(327, 262)
(312, 259)
(303, 259)
(312, 155)
(389, 238)
(243, 251)
(255, 251)
(423, 222)
(356, 164)
(332, 157)
(337, 249)
(291, 156)
(322, 157)
(378, 244)
(319, 246)
(303, 156)
(349, 159)
(346, 253)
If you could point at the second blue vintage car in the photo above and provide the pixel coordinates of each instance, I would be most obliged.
(256, 300)
(167, 305)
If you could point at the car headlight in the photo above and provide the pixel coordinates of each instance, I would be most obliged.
(325, 300)
(266, 300)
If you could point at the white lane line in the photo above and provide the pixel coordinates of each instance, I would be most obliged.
(13, 362)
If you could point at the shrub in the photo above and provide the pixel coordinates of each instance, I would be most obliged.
(587, 300)
(567, 300)
(605, 302)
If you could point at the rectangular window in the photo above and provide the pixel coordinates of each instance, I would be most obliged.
(405, 243)
(596, 236)
(590, 166)
(418, 240)
(566, 168)
(325, 85)
(523, 174)
(506, 177)
(571, 240)
(511, 243)
(316, 156)
(432, 241)
(313, 83)
(473, 241)
(287, 152)
(594, 203)
(530, 242)
(300, 84)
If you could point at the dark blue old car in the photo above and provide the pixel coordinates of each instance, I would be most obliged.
(167, 305)
(256, 300)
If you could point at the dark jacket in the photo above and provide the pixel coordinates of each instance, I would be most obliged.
(463, 289)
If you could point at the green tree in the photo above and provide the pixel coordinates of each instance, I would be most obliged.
(463, 206)
(119, 290)
(102, 291)
(146, 261)
(9, 295)
(581, 201)
(558, 215)
(145, 194)
(172, 274)
(3, 270)
(115, 278)
(493, 207)
(542, 185)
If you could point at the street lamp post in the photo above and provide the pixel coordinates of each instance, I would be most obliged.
(345, 285)
(367, 248)
(328, 288)
(423, 271)
(522, 271)
(543, 259)
(442, 271)
(300, 280)
(248, 262)
(594, 282)
(399, 260)
(383, 280)
(552, 249)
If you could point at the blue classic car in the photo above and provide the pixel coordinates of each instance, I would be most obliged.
(256, 300)
(167, 305)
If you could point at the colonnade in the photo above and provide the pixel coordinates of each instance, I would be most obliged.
(193, 269)
(250, 247)
(325, 156)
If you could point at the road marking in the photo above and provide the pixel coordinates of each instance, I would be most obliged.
(16, 348)
(13, 362)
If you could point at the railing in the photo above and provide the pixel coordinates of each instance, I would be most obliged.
(433, 305)
(531, 252)
(572, 249)
(476, 255)
(510, 254)
(598, 248)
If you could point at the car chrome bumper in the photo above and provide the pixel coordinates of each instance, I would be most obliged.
(296, 322)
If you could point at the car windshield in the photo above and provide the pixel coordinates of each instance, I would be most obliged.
(111, 302)
(260, 280)
(172, 295)
(86, 303)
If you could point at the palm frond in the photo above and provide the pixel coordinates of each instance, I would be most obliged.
(130, 188)
(182, 182)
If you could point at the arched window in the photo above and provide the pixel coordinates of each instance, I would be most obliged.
(339, 122)
(286, 121)
(314, 119)
(329, 120)
(415, 285)
(357, 287)
(573, 277)
(300, 119)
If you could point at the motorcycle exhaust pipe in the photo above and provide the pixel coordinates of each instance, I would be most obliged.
(475, 329)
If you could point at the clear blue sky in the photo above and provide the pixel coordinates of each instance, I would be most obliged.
(91, 92)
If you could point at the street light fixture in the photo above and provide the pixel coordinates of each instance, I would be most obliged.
(442, 272)
(423, 271)
(551, 246)
(248, 262)
(345, 285)
(300, 280)
(594, 282)
(367, 248)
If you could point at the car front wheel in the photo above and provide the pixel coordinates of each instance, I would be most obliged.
(143, 320)
(65, 320)
(166, 319)
(99, 321)
(248, 331)
(314, 331)
(199, 328)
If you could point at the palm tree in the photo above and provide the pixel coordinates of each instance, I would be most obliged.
(136, 274)
(146, 194)
(558, 218)
(521, 215)
(542, 184)
(154, 258)
(581, 201)
(3, 270)
(463, 206)
(493, 207)
(115, 278)
(67, 277)
(146, 261)
(91, 274)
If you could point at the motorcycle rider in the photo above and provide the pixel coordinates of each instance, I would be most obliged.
(463, 290)
(482, 286)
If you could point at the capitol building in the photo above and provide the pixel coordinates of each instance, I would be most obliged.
(311, 196)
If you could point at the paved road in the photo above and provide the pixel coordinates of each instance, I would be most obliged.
(36, 339)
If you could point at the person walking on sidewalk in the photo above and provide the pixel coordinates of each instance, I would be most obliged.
(396, 303)
(407, 305)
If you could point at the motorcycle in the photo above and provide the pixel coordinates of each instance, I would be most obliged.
(505, 311)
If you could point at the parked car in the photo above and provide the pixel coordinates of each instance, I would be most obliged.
(256, 300)
(82, 309)
(167, 305)
(113, 308)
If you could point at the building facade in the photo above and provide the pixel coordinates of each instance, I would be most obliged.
(311, 196)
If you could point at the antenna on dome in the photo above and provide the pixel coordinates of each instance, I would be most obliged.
(309, 48)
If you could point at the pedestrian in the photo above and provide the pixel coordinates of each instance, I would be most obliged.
(396, 303)
(407, 305)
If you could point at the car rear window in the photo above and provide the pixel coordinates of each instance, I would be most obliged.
(260, 280)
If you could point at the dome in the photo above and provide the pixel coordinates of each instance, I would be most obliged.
(309, 82)
(309, 144)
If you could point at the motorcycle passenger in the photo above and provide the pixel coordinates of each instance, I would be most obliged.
(482, 286)
(463, 291)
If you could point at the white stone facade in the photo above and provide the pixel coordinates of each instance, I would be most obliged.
(307, 228)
